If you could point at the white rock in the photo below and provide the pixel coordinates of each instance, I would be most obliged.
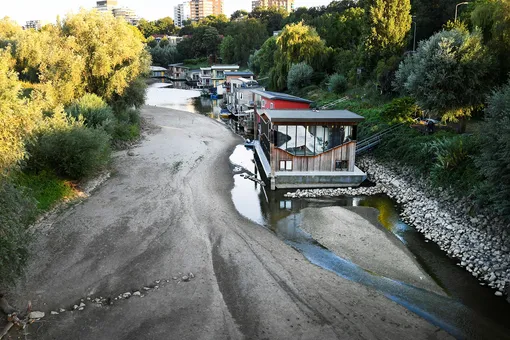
(82, 305)
(53, 312)
(61, 310)
(498, 293)
(36, 315)
(137, 293)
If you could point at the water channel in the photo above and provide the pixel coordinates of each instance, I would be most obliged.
(468, 311)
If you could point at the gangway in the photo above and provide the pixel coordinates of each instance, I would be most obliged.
(372, 141)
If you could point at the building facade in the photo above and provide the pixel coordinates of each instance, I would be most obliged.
(128, 14)
(35, 24)
(182, 13)
(200, 9)
(106, 5)
(288, 5)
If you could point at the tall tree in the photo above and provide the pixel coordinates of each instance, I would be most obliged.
(111, 63)
(248, 35)
(448, 75)
(272, 17)
(388, 22)
(238, 15)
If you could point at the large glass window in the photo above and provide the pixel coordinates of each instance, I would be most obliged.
(311, 140)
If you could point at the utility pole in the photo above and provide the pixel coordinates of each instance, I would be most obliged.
(457, 7)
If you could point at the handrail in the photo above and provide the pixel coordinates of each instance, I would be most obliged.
(375, 139)
(333, 103)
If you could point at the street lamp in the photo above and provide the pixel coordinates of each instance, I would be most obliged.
(414, 35)
(457, 7)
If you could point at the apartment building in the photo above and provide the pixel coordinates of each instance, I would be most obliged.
(35, 24)
(106, 5)
(128, 14)
(288, 5)
(200, 9)
(182, 13)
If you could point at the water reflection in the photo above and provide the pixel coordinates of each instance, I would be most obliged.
(470, 311)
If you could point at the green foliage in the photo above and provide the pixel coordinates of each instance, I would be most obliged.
(17, 210)
(133, 96)
(299, 76)
(164, 55)
(46, 188)
(400, 110)
(238, 15)
(203, 41)
(337, 83)
(388, 23)
(448, 75)
(75, 153)
(95, 112)
(164, 26)
(494, 159)
(110, 49)
(244, 37)
(271, 17)
(262, 61)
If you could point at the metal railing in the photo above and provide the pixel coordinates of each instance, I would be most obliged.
(333, 103)
(372, 141)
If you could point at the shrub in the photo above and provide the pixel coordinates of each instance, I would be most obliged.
(74, 153)
(17, 210)
(400, 110)
(300, 76)
(126, 132)
(337, 83)
(96, 113)
(133, 96)
(494, 159)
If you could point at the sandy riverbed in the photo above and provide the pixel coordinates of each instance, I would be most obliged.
(166, 212)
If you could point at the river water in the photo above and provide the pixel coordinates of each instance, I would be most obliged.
(468, 311)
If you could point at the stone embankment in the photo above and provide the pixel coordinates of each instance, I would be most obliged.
(479, 242)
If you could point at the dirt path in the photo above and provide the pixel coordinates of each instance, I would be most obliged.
(166, 212)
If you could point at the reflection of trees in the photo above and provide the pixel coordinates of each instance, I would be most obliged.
(202, 105)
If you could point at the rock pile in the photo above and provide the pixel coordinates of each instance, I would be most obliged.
(480, 242)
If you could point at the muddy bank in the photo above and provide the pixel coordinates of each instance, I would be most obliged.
(479, 242)
(351, 236)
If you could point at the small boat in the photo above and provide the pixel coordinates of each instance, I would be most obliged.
(249, 143)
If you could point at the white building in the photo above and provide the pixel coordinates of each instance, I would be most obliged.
(35, 24)
(182, 13)
(106, 5)
(128, 14)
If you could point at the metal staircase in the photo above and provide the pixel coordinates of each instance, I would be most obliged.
(333, 103)
(372, 141)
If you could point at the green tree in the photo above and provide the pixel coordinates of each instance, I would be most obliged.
(147, 28)
(300, 76)
(272, 17)
(494, 160)
(163, 56)
(227, 49)
(448, 75)
(165, 26)
(493, 18)
(262, 60)
(238, 15)
(112, 53)
(388, 22)
(297, 43)
(248, 35)
(342, 30)
(219, 22)
(210, 41)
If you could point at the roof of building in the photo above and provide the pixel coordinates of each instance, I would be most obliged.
(178, 65)
(158, 68)
(240, 74)
(310, 116)
(226, 67)
(281, 96)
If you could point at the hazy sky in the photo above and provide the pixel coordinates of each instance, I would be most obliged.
(23, 10)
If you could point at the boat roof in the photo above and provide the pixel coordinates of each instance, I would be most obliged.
(313, 116)
(158, 68)
(281, 96)
(241, 74)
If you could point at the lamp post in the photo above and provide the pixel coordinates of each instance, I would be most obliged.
(414, 35)
(457, 7)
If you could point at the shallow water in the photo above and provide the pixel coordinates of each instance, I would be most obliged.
(469, 310)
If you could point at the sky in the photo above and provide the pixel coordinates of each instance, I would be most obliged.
(23, 10)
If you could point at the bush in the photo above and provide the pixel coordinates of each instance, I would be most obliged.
(400, 110)
(74, 153)
(300, 76)
(337, 83)
(126, 132)
(134, 96)
(17, 211)
(96, 113)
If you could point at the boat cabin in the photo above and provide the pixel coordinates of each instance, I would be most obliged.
(304, 148)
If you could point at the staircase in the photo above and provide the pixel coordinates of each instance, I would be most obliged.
(372, 141)
(333, 103)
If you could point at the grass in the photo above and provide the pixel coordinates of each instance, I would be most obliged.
(46, 188)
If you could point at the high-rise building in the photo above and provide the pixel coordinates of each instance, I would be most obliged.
(111, 6)
(288, 5)
(35, 24)
(182, 12)
(127, 13)
(200, 9)
(106, 5)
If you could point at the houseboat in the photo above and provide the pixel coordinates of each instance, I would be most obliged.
(304, 148)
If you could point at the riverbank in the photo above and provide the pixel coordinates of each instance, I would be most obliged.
(166, 212)
(479, 243)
